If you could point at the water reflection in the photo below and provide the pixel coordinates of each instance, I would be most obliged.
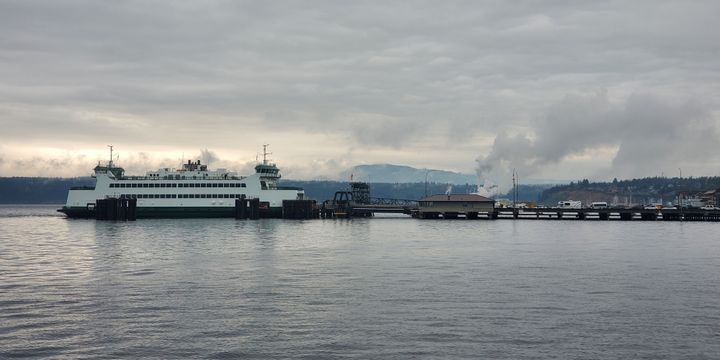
(399, 288)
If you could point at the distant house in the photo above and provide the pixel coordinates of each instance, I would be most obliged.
(711, 197)
(700, 198)
(452, 205)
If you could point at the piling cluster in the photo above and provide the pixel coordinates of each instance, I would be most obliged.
(300, 209)
(247, 208)
(116, 209)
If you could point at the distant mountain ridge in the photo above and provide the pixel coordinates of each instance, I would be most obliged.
(389, 173)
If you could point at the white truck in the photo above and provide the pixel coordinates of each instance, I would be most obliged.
(570, 204)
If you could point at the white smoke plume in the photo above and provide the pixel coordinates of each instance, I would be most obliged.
(649, 133)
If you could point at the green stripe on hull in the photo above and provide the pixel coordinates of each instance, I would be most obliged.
(175, 212)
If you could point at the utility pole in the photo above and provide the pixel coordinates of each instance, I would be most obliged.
(680, 197)
(514, 189)
(517, 181)
(427, 171)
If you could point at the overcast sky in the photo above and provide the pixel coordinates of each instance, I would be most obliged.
(557, 89)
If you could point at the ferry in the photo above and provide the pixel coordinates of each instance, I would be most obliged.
(191, 191)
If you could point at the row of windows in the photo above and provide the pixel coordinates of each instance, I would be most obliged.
(183, 185)
(180, 196)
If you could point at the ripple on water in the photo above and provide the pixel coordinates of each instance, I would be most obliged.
(380, 288)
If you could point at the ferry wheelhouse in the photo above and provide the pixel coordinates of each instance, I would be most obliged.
(191, 191)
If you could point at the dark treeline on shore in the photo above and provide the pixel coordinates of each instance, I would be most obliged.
(34, 190)
(37, 190)
(639, 191)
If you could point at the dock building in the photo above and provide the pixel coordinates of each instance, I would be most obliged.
(452, 205)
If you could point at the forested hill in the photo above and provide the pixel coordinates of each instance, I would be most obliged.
(35, 190)
(31, 190)
(645, 190)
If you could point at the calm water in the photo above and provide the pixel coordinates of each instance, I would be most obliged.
(380, 288)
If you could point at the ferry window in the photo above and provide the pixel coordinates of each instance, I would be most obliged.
(215, 185)
(203, 185)
(174, 196)
(133, 185)
(162, 185)
(203, 196)
(112, 185)
(162, 196)
(173, 185)
(214, 196)
(243, 185)
(157, 196)
(226, 185)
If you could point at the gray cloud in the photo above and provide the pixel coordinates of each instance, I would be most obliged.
(398, 77)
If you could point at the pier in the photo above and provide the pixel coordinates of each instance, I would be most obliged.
(610, 214)
(357, 202)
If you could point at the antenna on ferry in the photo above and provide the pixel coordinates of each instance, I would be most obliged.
(111, 156)
(265, 154)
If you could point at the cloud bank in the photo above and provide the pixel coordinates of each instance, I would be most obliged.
(332, 85)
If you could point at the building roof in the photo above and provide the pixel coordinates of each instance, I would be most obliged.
(457, 197)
